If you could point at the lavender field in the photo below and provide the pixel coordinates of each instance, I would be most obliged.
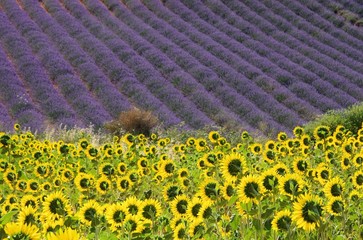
(265, 65)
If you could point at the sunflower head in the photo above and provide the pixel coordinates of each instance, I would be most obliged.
(282, 221)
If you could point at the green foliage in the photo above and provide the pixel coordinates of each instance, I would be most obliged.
(351, 118)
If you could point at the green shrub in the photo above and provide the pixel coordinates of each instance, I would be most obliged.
(351, 118)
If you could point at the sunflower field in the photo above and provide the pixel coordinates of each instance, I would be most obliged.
(157, 187)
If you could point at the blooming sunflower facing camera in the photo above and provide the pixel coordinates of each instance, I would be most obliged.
(308, 212)
(250, 189)
(233, 166)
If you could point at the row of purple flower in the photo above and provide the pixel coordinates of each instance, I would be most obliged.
(253, 63)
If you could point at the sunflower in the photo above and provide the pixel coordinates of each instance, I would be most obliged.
(29, 200)
(22, 185)
(64, 234)
(67, 175)
(197, 228)
(194, 207)
(17, 127)
(298, 131)
(12, 199)
(213, 136)
(201, 144)
(91, 152)
(250, 189)
(245, 136)
(22, 231)
(335, 206)
(321, 132)
(354, 195)
(151, 209)
(142, 162)
(209, 190)
(345, 161)
(115, 216)
(179, 205)
(210, 158)
(84, 182)
(308, 211)
(183, 173)
(168, 167)
(270, 180)
(228, 190)
(83, 143)
(358, 160)
(256, 148)
(334, 188)
(41, 170)
(133, 224)
(282, 136)
(103, 185)
(10, 178)
(180, 232)
(282, 221)
(90, 213)
(106, 169)
(206, 210)
(123, 183)
(233, 166)
(358, 179)
(323, 174)
(171, 191)
(122, 168)
(56, 205)
(201, 163)
(28, 215)
(300, 165)
(33, 185)
(269, 155)
(281, 169)
(291, 185)
(133, 205)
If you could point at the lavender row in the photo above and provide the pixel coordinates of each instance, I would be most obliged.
(308, 12)
(272, 70)
(335, 48)
(280, 60)
(280, 92)
(29, 68)
(320, 34)
(15, 96)
(185, 83)
(97, 81)
(244, 22)
(209, 62)
(211, 82)
(324, 66)
(112, 100)
(158, 59)
(326, 10)
(6, 122)
(323, 104)
(106, 59)
(60, 71)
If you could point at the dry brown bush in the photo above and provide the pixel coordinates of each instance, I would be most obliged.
(135, 121)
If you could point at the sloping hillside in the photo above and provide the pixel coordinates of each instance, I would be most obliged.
(264, 65)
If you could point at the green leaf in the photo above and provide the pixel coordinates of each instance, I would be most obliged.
(232, 200)
(7, 217)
